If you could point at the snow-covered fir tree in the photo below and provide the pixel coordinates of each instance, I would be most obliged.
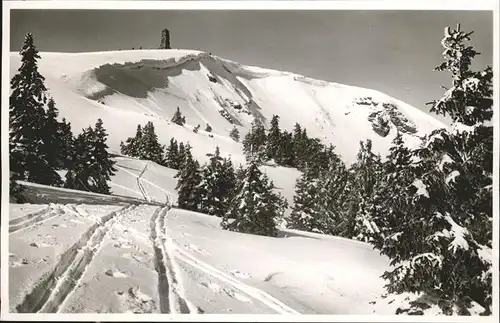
(78, 174)
(393, 199)
(254, 144)
(102, 167)
(92, 166)
(333, 194)
(212, 186)
(299, 146)
(132, 144)
(31, 158)
(228, 182)
(188, 183)
(285, 155)
(172, 155)
(273, 138)
(444, 249)
(235, 134)
(57, 138)
(256, 208)
(67, 145)
(307, 211)
(149, 148)
(178, 118)
(366, 174)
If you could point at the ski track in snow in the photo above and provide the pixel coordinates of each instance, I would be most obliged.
(252, 292)
(50, 293)
(146, 181)
(171, 293)
(32, 219)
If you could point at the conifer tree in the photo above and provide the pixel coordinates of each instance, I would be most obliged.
(57, 138)
(30, 157)
(212, 186)
(149, 147)
(235, 134)
(285, 153)
(254, 144)
(228, 182)
(208, 128)
(273, 138)
(172, 155)
(178, 118)
(299, 146)
(196, 129)
(307, 212)
(188, 184)
(132, 145)
(332, 196)
(255, 209)
(366, 172)
(102, 166)
(67, 142)
(442, 250)
(78, 175)
(182, 154)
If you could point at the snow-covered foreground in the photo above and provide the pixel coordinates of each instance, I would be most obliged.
(153, 259)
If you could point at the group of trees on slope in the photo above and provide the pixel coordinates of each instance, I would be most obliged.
(41, 145)
(243, 198)
(428, 209)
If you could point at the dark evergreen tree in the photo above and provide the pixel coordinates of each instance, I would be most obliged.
(228, 182)
(30, 157)
(208, 128)
(188, 183)
(212, 186)
(235, 134)
(366, 175)
(255, 208)
(196, 129)
(57, 138)
(132, 145)
(285, 153)
(299, 146)
(273, 138)
(182, 154)
(441, 248)
(67, 142)
(178, 118)
(332, 196)
(101, 167)
(307, 213)
(149, 147)
(172, 156)
(254, 144)
(78, 175)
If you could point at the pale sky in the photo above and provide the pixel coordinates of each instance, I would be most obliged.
(390, 51)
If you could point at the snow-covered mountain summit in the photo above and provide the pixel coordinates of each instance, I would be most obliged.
(126, 88)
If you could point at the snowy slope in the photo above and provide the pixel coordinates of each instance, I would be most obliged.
(79, 258)
(126, 88)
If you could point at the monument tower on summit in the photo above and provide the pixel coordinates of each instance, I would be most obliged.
(165, 39)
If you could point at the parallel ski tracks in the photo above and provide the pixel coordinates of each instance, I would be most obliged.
(52, 290)
(171, 294)
(34, 218)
